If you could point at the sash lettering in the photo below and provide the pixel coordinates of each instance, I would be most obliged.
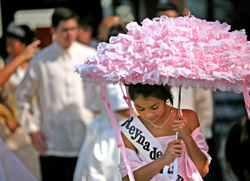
(155, 154)
(137, 135)
(146, 144)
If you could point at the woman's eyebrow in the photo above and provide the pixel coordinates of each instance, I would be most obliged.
(150, 106)
(138, 106)
(155, 104)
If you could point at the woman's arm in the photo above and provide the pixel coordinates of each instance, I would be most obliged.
(148, 171)
(185, 125)
(25, 55)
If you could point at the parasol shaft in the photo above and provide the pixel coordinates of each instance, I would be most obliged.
(179, 106)
(179, 100)
(176, 160)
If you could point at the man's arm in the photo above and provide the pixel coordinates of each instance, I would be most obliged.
(23, 99)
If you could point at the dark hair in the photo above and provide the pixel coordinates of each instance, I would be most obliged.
(86, 23)
(63, 14)
(114, 30)
(20, 32)
(166, 7)
(238, 148)
(146, 90)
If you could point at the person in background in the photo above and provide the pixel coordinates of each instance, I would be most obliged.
(60, 92)
(101, 163)
(17, 37)
(11, 167)
(104, 26)
(27, 53)
(237, 148)
(168, 9)
(85, 33)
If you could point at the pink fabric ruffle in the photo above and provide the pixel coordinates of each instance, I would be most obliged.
(186, 167)
(191, 173)
(183, 51)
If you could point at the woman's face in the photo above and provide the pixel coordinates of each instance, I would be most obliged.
(13, 46)
(151, 109)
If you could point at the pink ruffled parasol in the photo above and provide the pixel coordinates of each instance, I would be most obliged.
(183, 51)
(176, 51)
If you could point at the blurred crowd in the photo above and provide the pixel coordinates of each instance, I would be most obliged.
(53, 126)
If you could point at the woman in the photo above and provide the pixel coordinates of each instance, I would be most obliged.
(16, 39)
(158, 122)
(25, 55)
(20, 50)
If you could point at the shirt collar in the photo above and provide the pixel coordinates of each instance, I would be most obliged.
(67, 52)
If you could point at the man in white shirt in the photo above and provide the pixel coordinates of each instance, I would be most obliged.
(60, 91)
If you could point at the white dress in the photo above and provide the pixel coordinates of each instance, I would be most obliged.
(99, 156)
(11, 168)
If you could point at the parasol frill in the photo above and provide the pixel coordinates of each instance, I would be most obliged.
(183, 51)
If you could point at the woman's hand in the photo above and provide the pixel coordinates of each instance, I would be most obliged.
(185, 125)
(11, 123)
(26, 55)
(180, 125)
(174, 150)
(29, 51)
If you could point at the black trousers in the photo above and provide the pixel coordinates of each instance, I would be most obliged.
(57, 168)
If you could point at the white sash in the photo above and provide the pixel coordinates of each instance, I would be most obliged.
(145, 143)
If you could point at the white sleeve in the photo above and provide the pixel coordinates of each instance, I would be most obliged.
(23, 97)
(92, 96)
(115, 97)
(204, 110)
